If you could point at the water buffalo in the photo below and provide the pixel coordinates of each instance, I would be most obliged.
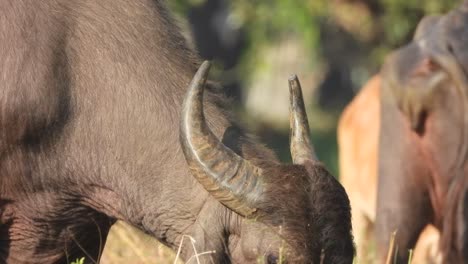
(358, 142)
(94, 130)
(423, 153)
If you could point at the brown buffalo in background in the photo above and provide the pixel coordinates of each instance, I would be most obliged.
(422, 142)
(358, 137)
(423, 154)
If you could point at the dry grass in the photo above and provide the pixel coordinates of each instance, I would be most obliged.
(126, 244)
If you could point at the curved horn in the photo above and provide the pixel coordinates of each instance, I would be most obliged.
(299, 139)
(229, 178)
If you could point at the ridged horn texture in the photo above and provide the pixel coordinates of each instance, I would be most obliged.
(228, 177)
(299, 138)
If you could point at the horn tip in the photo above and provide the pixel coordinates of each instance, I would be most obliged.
(200, 76)
(206, 64)
(293, 78)
(294, 84)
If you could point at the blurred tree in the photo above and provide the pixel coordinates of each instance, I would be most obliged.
(343, 40)
(338, 32)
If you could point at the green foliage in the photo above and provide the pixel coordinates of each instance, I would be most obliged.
(78, 261)
(389, 26)
(376, 27)
(182, 6)
(267, 21)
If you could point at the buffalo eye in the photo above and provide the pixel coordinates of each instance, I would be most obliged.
(272, 259)
(450, 48)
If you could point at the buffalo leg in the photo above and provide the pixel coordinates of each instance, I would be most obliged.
(61, 233)
(405, 215)
(403, 203)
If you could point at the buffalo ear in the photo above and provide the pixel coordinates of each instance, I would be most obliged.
(427, 76)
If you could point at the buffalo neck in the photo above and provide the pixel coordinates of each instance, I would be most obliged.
(114, 136)
(127, 92)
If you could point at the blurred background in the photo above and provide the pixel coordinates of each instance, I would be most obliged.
(334, 46)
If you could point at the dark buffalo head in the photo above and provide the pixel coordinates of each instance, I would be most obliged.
(426, 82)
(285, 213)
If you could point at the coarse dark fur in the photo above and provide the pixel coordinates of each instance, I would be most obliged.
(423, 139)
(90, 98)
